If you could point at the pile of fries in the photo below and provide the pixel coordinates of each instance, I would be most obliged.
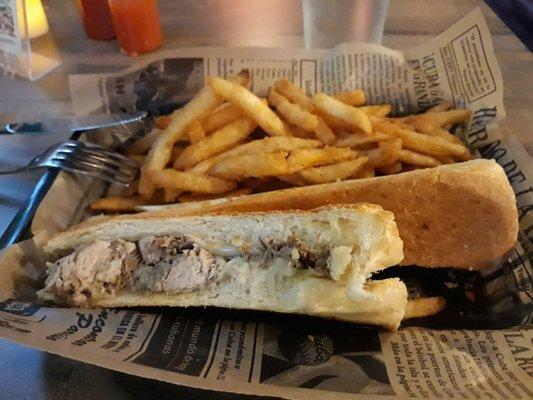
(228, 142)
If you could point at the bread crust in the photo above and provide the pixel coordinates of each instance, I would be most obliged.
(458, 215)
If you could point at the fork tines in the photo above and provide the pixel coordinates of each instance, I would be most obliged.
(94, 160)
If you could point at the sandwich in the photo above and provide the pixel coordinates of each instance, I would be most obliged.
(265, 252)
(460, 215)
(318, 262)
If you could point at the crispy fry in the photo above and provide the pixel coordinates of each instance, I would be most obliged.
(294, 179)
(421, 143)
(266, 145)
(170, 194)
(162, 121)
(324, 133)
(294, 94)
(296, 130)
(117, 204)
(443, 106)
(423, 307)
(299, 132)
(444, 117)
(161, 151)
(186, 181)
(335, 172)
(423, 126)
(432, 145)
(305, 158)
(356, 140)
(186, 198)
(176, 151)
(195, 132)
(220, 117)
(337, 125)
(142, 145)
(387, 153)
(353, 98)
(216, 143)
(252, 165)
(251, 106)
(205, 141)
(381, 110)
(445, 159)
(366, 172)
(293, 113)
(336, 109)
(414, 158)
(431, 130)
(391, 169)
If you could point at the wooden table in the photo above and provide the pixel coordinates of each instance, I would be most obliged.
(28, 373)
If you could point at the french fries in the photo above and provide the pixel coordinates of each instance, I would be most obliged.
(266, 145)
(387, 153)
(345, 113)
(176, 151)
(294, 94)
(195, 132)
(420, 160)
(250, 104)
(170, 194)
(444, 106)
(294, 179)
(252, 165)
(421, 143)
(423, 306)
(305, 158)
(161, 151)
(324, 132)
(187, 198)
(446, 117)
(186, 181)
(356, 140)
(391, 169)
(117, 204)
(220, 117)
(218, 142)
(381, 110)
(366, 172)
(211, 149)
(353, 98)
(331, 173)
(424, 126)
(293, 113)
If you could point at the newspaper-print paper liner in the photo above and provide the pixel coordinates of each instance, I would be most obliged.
(296, 356)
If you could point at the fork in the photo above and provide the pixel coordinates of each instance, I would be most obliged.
(84, 158)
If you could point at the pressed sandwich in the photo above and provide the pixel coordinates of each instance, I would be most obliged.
(317, 262)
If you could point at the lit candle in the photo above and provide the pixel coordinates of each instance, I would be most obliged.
(35, 16)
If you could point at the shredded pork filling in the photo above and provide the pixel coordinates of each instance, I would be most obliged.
(159, 264)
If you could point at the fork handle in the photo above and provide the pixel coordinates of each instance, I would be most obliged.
(21, 221)
(26, 128)
(14, 171)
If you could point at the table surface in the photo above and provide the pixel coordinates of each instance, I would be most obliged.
(29, 373)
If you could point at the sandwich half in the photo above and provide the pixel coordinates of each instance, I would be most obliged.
(317, 262)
